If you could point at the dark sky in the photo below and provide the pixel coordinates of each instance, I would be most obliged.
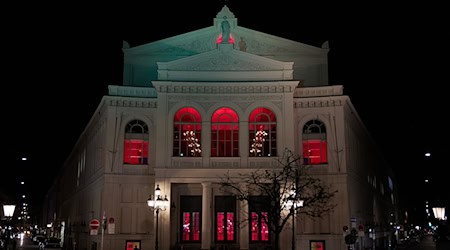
(57, 64)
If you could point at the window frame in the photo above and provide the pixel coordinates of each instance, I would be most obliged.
(225, 142)
(187, 128)
(262, 121)
(314, 138)
(136, 132)
(190, 204)
(225, 205)
(258, 205)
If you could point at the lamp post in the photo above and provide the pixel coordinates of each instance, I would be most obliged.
(157, 203)
(292, 204)
(8, 210)
(439, 213)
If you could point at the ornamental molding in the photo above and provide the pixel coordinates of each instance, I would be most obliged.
(336, 90)
(318, 103)
(226, 98)
(131, 91)
(223, 62)
(201, 44)
(224, 89)
(132, 103)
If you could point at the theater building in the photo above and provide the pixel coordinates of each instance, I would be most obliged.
(188, 112)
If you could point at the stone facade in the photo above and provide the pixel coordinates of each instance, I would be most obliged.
(194, 70)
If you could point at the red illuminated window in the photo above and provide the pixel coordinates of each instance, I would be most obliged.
(259, 228)
(224, 133)
(317, 244)
(191, 226)
(225, 226)
(190, 218)
(187, 133)
(314, 143)
(262, 133)
(225, 207)
(136, 143)
(259, 219)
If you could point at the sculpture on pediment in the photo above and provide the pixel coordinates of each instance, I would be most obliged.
(225, 30)
(242, 45)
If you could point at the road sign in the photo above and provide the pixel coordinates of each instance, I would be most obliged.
(94, 224)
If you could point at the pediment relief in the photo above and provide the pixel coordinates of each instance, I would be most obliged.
(265, 44)
(222, 62)
(225, 59)
(204, 40)
(225, 64)
(190, 43)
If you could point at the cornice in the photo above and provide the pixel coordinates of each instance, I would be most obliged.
(319, 102)
(131, 91)
(336, 90)
(130, 102)
(224, 88)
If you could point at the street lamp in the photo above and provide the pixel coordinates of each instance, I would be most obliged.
(8, 211)
(292, 204)
(439, 213)
(156, 205)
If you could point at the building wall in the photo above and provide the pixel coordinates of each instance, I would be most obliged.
(95, 180)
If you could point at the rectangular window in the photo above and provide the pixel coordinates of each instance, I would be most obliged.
(191, 218)
(136, 151)
(225, 208)
(314, 152)
(255, 228)
(259, 230)
(264, 227)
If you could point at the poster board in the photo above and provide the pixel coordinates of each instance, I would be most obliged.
(317, 245)
(133, 245)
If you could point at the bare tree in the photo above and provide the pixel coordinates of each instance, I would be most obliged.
(285, 191)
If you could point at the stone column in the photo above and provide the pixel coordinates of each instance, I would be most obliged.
(244, 229)
(206, 216)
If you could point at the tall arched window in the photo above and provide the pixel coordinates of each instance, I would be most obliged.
(314, 143)
(187, 127)
(136, 143)
(224, 133)
(262, 131)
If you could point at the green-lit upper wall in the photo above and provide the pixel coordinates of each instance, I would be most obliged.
(140, 62)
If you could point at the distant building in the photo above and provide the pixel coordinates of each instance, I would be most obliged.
(188, 111)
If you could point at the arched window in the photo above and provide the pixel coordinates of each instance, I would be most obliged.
(136, 143)
(224, 133)
(187, 127)
(314, 143)
(262, 131)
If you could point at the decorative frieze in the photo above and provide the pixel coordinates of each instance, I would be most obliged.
(216, 163)
(228, 98)
(265, 163)
(185, 162)
(319, 91)
(317, 103)
(224, 89)
(130, 91)
(133, 103)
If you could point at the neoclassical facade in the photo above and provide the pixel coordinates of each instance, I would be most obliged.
(222, 99)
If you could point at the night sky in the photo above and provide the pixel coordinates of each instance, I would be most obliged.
(391, 60)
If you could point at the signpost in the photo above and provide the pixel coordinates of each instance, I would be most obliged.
(94, 225)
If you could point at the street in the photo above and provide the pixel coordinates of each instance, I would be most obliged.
(25, 244)
(427, 243)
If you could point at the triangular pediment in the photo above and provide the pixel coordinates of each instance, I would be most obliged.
(225, 64)
(309, 62)
(206, 39)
